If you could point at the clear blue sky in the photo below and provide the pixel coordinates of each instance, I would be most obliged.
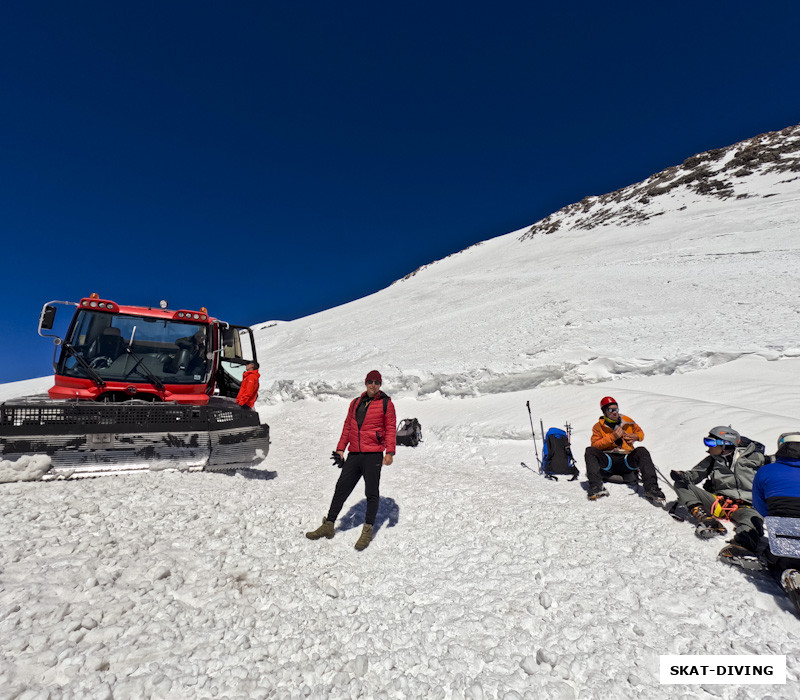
(269, 160)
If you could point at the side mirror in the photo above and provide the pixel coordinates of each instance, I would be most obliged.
(47, 318)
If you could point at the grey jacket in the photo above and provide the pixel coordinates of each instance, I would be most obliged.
(726, 476)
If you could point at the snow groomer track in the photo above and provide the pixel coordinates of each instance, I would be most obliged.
(93, 439)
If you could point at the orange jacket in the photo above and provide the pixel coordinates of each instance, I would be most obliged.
(603, 435)
(248, 391)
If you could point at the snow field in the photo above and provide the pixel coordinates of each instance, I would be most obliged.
(483, 580)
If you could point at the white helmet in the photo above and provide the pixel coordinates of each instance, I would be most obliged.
(794, 436)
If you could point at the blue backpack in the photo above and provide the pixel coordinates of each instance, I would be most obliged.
(557, 456)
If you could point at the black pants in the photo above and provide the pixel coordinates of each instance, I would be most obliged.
(598, 469)
(358, 464)
(777, 565)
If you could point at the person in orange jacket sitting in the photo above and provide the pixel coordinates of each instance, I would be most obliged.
(612, 453)
(248, 391)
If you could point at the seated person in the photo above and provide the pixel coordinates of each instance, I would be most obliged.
(728, 473)
(190, 359)
(776, 492)
(612, 453)
(197, 361)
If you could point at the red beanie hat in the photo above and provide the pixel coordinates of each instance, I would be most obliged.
(374, 375)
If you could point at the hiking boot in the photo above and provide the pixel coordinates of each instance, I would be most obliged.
(596, 492)
(740, 556)
(365, 538)
(324, 530)
(698, 513)
(790, 582)
(707, 526)
(656, 496)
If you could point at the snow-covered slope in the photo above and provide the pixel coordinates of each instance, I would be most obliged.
(591, 292)
(484, 580)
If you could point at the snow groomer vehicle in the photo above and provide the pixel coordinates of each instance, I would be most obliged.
(138, 388)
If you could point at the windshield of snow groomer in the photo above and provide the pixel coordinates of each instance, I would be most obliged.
(174, 352)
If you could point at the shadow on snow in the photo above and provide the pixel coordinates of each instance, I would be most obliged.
(388, 514)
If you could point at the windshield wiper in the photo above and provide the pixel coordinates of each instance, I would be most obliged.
(139, 361)
(94, 376)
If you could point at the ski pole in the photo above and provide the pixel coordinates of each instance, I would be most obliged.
(535, 448)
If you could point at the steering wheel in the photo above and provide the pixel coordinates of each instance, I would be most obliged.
(101, 362)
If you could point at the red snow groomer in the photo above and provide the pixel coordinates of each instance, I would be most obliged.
(138, 388)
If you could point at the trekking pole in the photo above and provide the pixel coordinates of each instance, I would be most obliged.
(665, 480)
(570, 457)
(544, 449)
(673, 509)
(535, 448)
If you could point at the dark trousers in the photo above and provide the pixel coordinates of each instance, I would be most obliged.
(777, 565)
(358, 464)
(598, 468)
(747, 522)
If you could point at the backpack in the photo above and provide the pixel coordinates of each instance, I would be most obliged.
(745, 442)
(409, 432)
(557, 456)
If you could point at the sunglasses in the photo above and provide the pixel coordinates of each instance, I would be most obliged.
(373, 381)
(716, 442)
(611, 409)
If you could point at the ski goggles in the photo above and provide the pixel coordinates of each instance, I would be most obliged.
(716, 442)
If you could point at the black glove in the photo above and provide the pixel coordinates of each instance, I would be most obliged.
(680, 478)
(338, 460)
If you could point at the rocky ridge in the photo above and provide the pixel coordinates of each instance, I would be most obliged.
(714, 173)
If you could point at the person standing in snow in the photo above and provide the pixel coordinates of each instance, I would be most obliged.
(369, 430)
(248, 391)
(728, 472)
(776, 492)
(612, 453)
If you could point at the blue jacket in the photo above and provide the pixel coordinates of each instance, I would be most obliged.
(776, 488)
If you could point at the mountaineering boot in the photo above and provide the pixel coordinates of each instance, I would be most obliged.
(656, 496)
(740, 556)
(365, 538)
(790, 582)
(596, 492)
(324, 530)
(707, 526)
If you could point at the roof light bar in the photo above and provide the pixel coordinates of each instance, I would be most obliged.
(94, 302)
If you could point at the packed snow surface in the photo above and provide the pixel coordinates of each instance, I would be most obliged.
(484, 580)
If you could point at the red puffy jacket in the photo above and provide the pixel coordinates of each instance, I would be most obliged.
(378, 431)
(248, 391)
